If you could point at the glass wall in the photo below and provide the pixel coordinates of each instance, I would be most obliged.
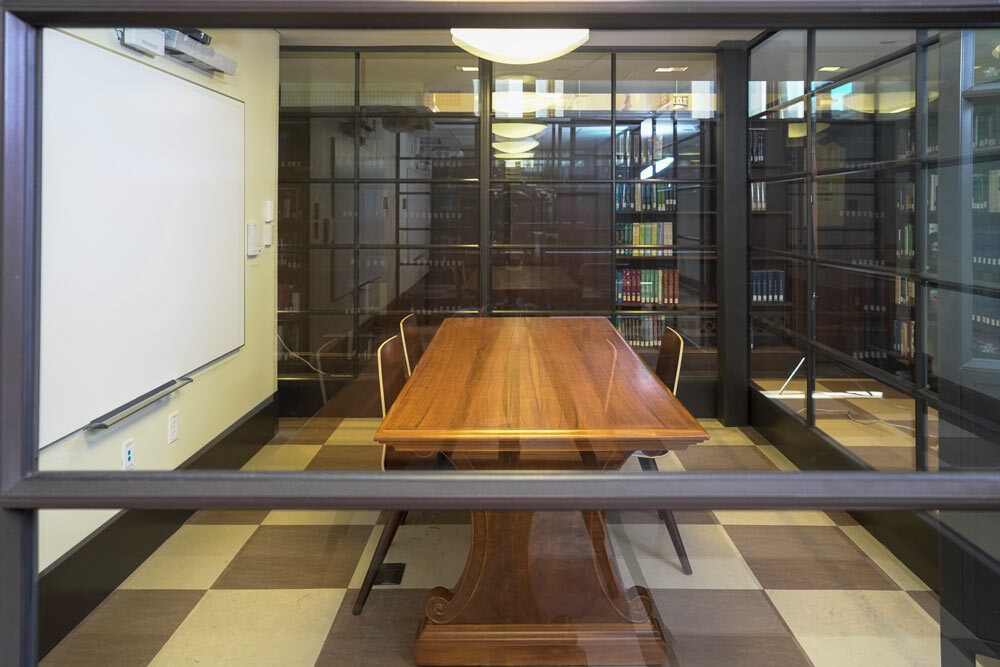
(598, 198)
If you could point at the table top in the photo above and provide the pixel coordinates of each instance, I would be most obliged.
(545, 382)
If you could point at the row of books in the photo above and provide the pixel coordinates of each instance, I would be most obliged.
(904, 242)
(758, 196)
(647, 286)
(643, 197)
(986, 191)
(643, 331)
(906, 197)
(767, 286)
(986, 245)
(644, 233)
(905, 292)
(758, 141)
(985, 126)
(902, 338)
(638, 149)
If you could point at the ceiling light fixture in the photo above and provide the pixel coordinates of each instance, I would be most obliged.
(517, 46)
(830, 68)
(513, 156)
(517, 130)
(675, 68)
(522, 146)
(466, 68)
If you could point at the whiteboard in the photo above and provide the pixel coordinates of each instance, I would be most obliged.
(142, 239)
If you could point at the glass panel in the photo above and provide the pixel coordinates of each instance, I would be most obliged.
(437, 213)
(676, 280)
(318, 213)
(869, 119)
(777, 215)
(681, 84)
(315, 279)
(778, 142)
(867, 218)
(873, 421)
(549, 279)
(315, 148)
(566, 150)
(778, 296)
(418, 148)
(777, 70)
(966, 351)
(418, 280)
(577, 85)
(987, 67)
(868, 317)
(645, 331)
(663, 147)
(314, 346)
(649, 216)
(933, 95)
(377, 213)
(551, 214)
(777, 364)
(317, 81)
(420, 82)
(838, 51)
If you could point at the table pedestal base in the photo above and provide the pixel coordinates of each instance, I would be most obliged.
(539, 588)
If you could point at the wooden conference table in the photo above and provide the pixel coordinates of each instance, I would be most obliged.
(539, 588)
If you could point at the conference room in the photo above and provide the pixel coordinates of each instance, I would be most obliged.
(560, 334)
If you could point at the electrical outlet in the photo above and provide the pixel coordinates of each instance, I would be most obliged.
(128, 454)
(172, 427)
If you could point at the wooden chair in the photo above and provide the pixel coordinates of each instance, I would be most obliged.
(413, 348)
(391, 378)
(668, 369)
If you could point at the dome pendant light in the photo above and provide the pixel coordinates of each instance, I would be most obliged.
(517, 46)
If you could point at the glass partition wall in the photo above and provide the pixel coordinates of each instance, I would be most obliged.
(591, 192)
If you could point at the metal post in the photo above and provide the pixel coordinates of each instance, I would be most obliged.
(485, 144)
(812, 230)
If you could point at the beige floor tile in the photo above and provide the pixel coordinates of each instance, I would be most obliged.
(366, 558)
(193, 558)
(355, 432)
(773, 518)
(899, 409)
(261, 627)
(282, 457)
(860, 628)
(853, 434)
(885, 559)
(777, 458)
(726, 436)
(434, 555)
(321, 518)
(983, 661)
(715, 561)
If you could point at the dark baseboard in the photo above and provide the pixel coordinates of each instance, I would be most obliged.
(912, 536)
(73, 586)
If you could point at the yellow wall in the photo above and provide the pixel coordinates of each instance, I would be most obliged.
(227, 390)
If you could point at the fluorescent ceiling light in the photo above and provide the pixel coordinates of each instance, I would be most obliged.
(522, 146)
(675, 68)
(517, 46)
(517, 130)
(466, 68)
(513, 156)
(656, 168)
(830, 68)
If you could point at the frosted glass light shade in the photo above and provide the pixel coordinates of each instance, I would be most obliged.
(513, 156)
(517, 130)
(517, 46)
(522, 146)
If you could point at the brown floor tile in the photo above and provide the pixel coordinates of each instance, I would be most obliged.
(893, 458)
(228, 517)
(807, 557)
(842, 518)
(702, 517)
(754, 436)
(128, 628)
(296, 557)
(703, 651)
(382, 636)
(724, 457)
(433, 517)
(929, 602)
(317, 431)
(717, 613)
(347, 457)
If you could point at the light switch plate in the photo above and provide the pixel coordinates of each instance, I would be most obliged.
(268, 234)
(269, 211)
(253, 247)
(173, 428)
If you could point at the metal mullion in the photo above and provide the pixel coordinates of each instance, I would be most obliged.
(357, 215)
(921, 440)
(812, 217)
(485, 179)
(613, 231)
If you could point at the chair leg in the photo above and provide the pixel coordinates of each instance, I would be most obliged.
(391, 526)
(648, 465)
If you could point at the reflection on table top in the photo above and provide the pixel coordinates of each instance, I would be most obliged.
(544, 383)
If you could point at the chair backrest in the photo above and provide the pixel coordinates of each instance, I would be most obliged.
(390, 372)
(668, 362)
(413, 347)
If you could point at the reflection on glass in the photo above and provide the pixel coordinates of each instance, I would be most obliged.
(663, 147)
(987, 58)
(550, 280)
(315, 148)
(417, 280)
(838, 51)
(777, 143)
(438, 213)
(873, 421)
(644, 332)
(317, 81)
(867, 218)
(576, 85)
(565, 150)
(418, 148)
(312, 346)
(867, 316)
(777, 70)
(316, 214)
(678, 84)
(551, 214)
(777, 215)
(777, 363)
(420, 82)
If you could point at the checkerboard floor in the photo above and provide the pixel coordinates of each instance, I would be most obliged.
(774, 589)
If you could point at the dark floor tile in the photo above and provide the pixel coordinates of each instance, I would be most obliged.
(296, 557)
(706, 651)
(807, 557)
(128, 628)
(316, 431)
(842, 518)
(382, 636)
(724, 457)
(719, 613)
(347, 457)
(681, 516)
(434, 517)
(228, 517)
(929, 601)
